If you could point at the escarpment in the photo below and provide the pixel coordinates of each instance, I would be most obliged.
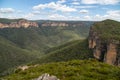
(65, 24)
(17, 24)
(104, 40)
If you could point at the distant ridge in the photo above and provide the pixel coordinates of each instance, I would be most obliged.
(16, 23)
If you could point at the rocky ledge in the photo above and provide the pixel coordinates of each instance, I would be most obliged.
(46, 77)
(18, 24)
(62, 24)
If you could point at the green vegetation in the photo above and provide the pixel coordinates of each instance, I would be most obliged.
(42, 38)
(108, 29)
(73, 50)
(7, 21)
(23, 45)
(11, 55)
(71, 70)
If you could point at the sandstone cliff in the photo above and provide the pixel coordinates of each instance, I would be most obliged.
(17, 24)
(105, 41)
(63, 24)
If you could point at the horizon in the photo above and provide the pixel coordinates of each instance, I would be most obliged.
(61, 10)
(58, 20)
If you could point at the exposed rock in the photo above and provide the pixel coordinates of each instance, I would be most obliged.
(18, 24)
(107, 50)
(46, 77)
(53, 24)
(61, 24)
(23, 67)
(26, 67)
(111, 54)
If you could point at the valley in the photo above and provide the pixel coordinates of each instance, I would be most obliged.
(70, 50)
(26, 44)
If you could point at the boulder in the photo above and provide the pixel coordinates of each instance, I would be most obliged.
(46, 76)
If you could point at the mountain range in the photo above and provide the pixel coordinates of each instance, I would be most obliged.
(23, 40)
(70, 50)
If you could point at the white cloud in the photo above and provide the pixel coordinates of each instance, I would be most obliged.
(6, 10)
(36, 12)
(74, 0)
(29, 16)
(112, 14)
(55, 6)
(98, 17)
(56, 17)
(19, 11)
(61, 1)
(62, 17)
(75, 3)
(103, 2)
(84, 11)
(84, 6)
(87, 17)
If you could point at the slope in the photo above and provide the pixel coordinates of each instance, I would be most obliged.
(77, 49)
(42, 38)
(71, 70)
(108, 29)
(11, 55)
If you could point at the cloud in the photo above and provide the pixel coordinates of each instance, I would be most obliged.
(29, 16)
(62, 17)
(102, 2)
(84, 6)
(75, 3)
(36, 12)
(61, 1)
(112, 14)
(19, 11)
(87, 17)
(55, 6)
(84, 11)
(6, 10)
(56, 17)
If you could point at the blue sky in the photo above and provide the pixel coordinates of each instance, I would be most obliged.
(94, 10)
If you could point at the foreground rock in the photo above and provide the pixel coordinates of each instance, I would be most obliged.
(46, 77)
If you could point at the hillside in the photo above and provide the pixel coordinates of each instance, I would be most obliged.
(8, 21)
(72, 50)
(71, 70)
(11, 55)
(22, 45)
(77, 53)
(107, 29)
(40, 38)
(104, 39)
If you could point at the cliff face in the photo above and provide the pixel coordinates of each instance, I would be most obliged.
(104, 49)
(53, 24)
(61, 24)
(18, 24)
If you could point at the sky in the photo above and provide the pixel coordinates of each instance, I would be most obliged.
(86, 10)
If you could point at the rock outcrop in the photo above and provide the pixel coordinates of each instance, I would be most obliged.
(54, 24)
(46, 77)
(106, 50)
(61, 24)
(18, 24)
